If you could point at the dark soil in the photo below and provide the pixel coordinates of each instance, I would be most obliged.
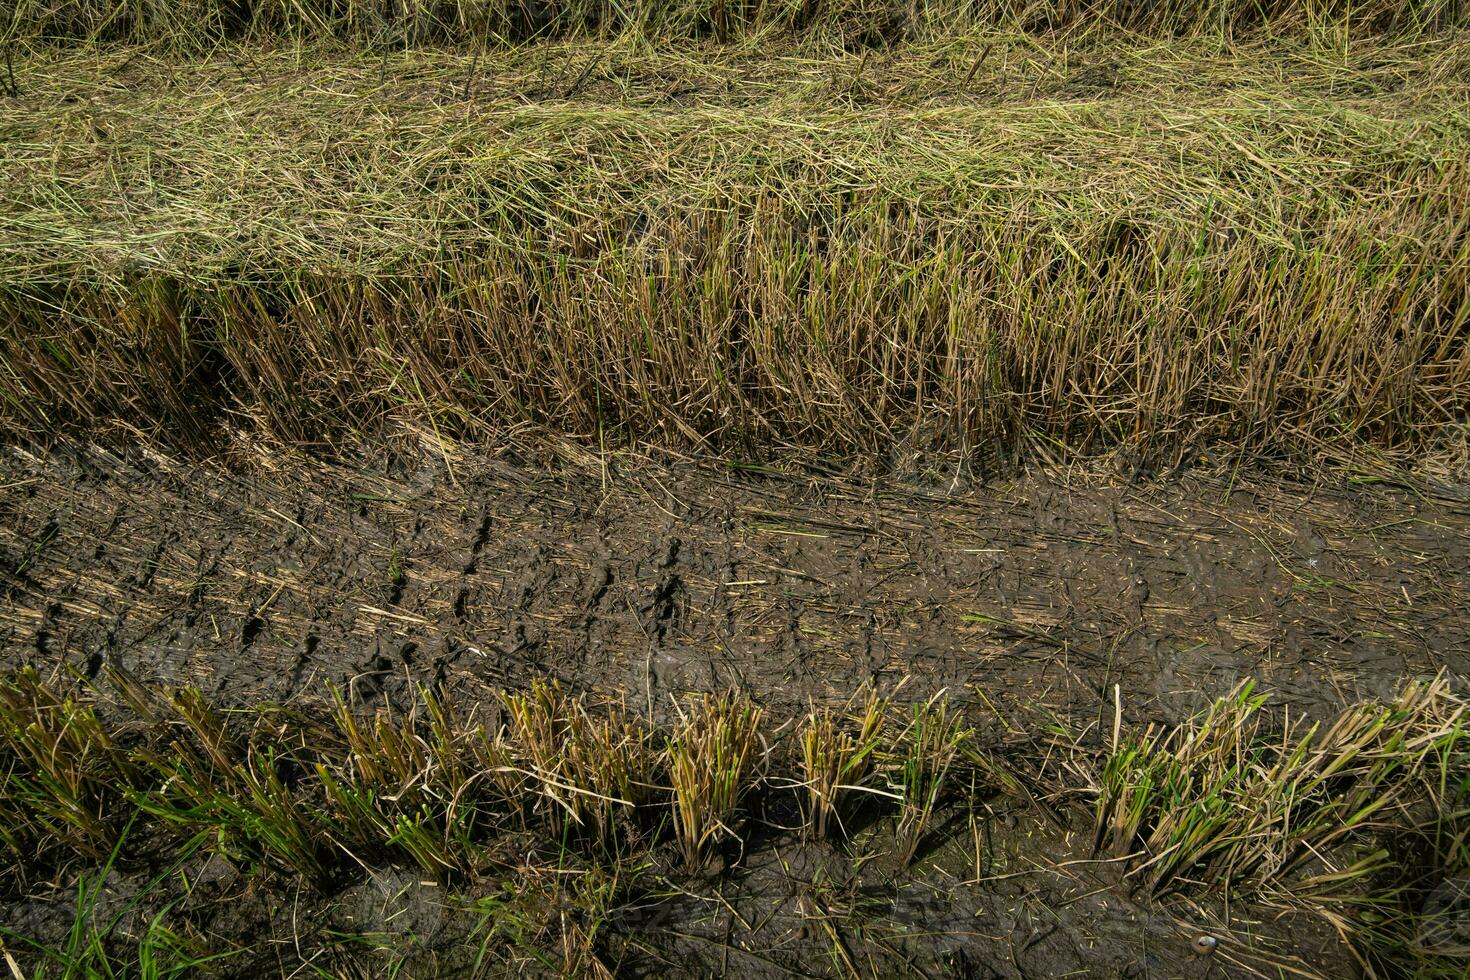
(660, 579)
(1035, 593)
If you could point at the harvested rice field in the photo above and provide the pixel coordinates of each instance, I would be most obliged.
(946, 490)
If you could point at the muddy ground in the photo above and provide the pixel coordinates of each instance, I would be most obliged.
(658, 579)
(1033, 592)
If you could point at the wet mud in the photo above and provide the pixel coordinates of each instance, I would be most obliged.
(660, 579)
(1062, 593)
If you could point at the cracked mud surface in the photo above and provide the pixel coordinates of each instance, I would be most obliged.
(666, 579)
